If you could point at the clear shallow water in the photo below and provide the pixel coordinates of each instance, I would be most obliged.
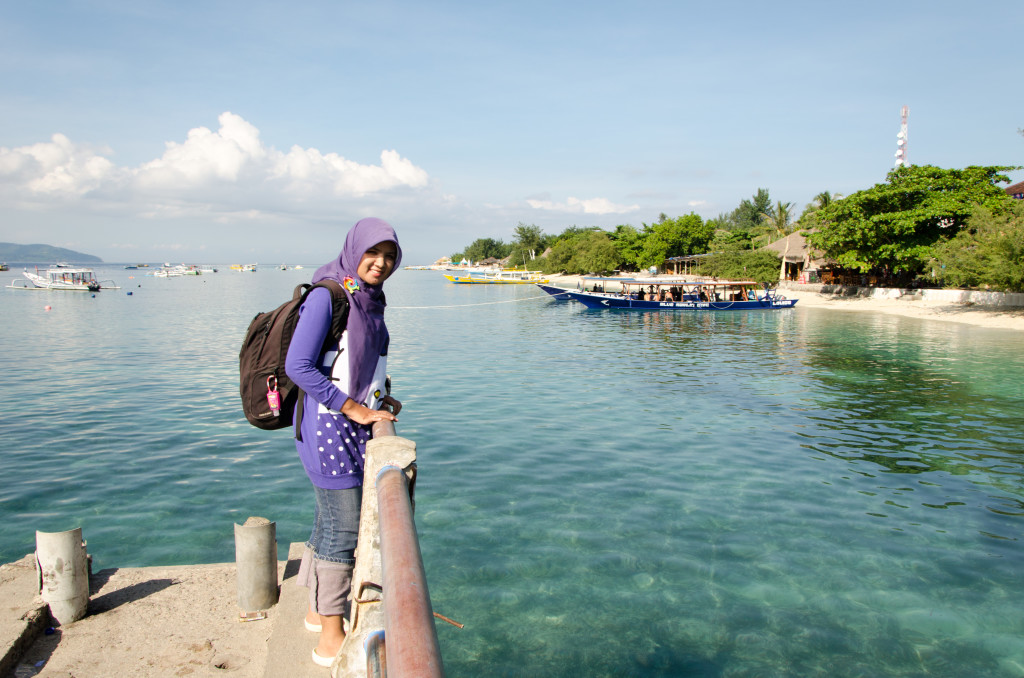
(796, 493)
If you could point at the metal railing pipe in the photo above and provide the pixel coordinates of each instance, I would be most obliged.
(376, 660)
(411, 644)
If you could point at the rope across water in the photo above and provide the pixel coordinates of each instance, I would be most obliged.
(483, 303)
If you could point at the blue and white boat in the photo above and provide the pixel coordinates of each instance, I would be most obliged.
(593, 283)
(679, 295)
(559, 293)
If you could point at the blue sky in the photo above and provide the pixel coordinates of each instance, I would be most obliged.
(255, 131)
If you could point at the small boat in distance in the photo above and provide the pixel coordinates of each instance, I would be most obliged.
(169, 271)
(499, 277)
(679, 295)
(244, 267)
(63, 277)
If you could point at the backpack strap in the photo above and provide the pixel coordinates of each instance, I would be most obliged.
(339, 320)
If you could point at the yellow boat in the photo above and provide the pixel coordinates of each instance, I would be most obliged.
(499, 277)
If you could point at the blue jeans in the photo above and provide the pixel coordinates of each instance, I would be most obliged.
(336, 524)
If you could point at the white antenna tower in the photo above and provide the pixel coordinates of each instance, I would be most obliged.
(901, 139)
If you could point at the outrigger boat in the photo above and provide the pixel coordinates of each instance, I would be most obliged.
(678, 295)
(499, 277)
(63, 278)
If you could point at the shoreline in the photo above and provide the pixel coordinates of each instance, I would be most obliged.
(992, 317)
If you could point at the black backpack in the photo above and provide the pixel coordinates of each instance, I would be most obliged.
(262, 380)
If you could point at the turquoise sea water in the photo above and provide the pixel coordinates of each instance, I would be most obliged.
(797, 493)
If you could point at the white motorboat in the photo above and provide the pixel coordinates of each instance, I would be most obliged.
(63, 277)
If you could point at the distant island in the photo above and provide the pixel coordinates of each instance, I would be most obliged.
(11, 252)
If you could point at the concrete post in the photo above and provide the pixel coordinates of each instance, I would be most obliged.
(64, 573)
(256, 564)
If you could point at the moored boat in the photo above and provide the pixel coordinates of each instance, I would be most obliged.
(559, 293)
(63, 277)
(683, 295)
(499, 277)
(169, 271)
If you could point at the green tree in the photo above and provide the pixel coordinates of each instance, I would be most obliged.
(723, 222)
(987, 253)
(778, 219)
(586, 251)
(674, 238)
(893, 226)
(810, 218)
(629, 243)
(749, 214)
(530, 242)
(730, 241)
(483, 248)
(759, 265)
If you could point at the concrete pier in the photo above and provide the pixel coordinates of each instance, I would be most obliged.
(156, 621)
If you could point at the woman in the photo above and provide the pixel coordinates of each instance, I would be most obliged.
(344, 387)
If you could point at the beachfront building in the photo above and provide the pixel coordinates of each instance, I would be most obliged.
(1016, 191)
(682, 265)
(800, 262)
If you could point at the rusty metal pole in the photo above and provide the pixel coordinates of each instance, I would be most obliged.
(376, 659)
(411, 638)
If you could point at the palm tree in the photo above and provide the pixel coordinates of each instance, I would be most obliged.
(824, 199)
(778, 219)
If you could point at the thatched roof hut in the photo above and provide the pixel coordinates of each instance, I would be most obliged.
(798, 257)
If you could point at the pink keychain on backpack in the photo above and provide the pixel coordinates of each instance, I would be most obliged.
(273, 395)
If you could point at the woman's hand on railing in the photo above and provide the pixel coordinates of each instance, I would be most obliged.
(364, 415)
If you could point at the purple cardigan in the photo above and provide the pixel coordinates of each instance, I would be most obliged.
(333, 447)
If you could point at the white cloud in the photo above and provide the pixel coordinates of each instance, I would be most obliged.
(55, 168)
(205, 156)
(697, 203)
(225, 171)
(577, 206)
(301, 171)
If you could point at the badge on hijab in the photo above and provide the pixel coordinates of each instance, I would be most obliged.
(350, 284)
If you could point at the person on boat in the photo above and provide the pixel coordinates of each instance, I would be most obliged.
(344, 387)
(640, 295)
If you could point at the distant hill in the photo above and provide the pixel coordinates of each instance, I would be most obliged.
(10, 251)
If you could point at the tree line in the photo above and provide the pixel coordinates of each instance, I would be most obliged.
(923, 226)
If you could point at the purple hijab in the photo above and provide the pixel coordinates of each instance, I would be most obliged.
(367, 333)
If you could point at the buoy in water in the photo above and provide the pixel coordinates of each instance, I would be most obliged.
(46, 308)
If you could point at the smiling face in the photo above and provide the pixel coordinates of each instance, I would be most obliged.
(377, 263)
